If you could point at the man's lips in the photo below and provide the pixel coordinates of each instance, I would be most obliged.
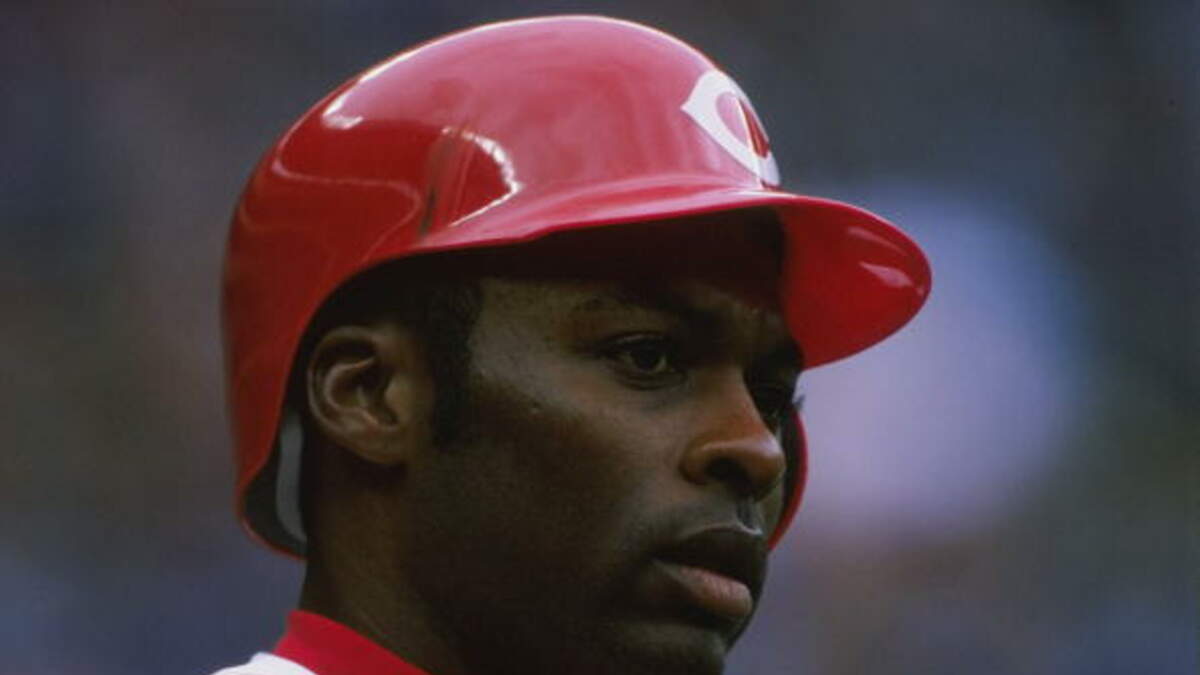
(718, 569)
(711, 591)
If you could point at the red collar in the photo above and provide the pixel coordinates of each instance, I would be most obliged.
(326, 647)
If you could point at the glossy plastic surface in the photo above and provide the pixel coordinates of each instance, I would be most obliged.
(508, 132)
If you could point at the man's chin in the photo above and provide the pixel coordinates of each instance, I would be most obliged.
(670, 648)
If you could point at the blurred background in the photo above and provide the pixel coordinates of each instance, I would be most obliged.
(1007, 486)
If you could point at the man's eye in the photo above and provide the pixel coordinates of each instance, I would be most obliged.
(646, 359)
(774, 403)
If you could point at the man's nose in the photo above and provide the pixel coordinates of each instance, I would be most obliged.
(734, 447)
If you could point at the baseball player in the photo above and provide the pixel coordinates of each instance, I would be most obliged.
(513, 326)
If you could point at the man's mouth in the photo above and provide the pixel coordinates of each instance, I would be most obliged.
(717, 570)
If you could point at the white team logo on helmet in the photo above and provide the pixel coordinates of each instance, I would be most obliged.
(716, 103)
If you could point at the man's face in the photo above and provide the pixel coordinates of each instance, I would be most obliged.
(606, 504)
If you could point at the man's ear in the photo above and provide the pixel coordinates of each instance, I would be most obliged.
(369, 391)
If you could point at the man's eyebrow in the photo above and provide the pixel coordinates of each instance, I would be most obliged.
(783, 352)
(659, 300)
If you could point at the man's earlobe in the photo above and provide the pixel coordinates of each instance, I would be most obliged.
(369, 391)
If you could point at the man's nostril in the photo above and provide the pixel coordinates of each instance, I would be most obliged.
(728, 472)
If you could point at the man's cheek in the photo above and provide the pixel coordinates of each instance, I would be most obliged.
(772, 507)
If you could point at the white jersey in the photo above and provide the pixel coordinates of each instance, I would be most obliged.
(266, 664)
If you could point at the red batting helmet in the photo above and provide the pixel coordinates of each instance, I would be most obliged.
(495, 136)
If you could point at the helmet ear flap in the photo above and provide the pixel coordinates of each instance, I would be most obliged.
(795, 446)
(271, 504)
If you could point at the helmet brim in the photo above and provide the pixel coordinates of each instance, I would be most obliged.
(850, 278)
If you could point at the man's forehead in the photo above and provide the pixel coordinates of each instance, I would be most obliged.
(697, 302)
(700, 306)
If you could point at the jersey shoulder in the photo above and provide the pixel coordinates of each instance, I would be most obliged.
(266, 664)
